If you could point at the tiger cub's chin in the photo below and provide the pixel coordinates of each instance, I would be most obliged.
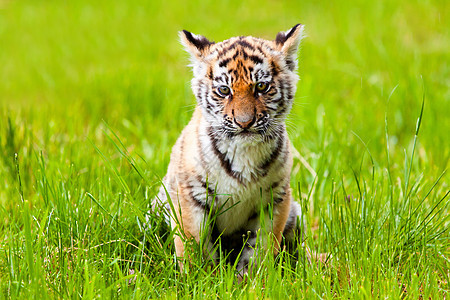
(229, 171)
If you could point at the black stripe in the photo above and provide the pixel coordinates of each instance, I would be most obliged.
(277, 200)
(292, 31)
(199, 94)
(246, 72)
(210, 73)
(275, 185)
(224, 161)
(273, 156)
(206, 186)
(274, 68)
(282, 106)
(280, 196)
(282, 110)
(199, 178)
(282, 37)
(224, 62)
(245, 44)
(276, 100)
(199, 90)
(209, 106)
(256, 59)
(261, 74)
(272, 92)
(290, 94)
(282, 193)
(271, 108)
(197, 201)
(291, 64)
(199, 42)
(225, 50)
(218, 96)
(244, 54)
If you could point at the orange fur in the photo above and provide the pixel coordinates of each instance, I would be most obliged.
(234, 154)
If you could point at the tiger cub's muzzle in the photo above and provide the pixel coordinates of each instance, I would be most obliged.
(244, 112)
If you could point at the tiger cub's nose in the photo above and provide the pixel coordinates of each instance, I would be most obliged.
(245, 121)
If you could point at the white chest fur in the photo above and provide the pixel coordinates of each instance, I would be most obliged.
(241, 187)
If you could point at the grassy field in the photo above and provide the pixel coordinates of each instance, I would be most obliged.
(94, 94)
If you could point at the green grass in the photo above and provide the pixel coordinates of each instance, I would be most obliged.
(94, 94)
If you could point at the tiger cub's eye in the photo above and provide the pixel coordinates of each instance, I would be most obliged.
(262, 87)
(223, 90)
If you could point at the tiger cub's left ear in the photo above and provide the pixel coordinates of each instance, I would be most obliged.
(287, 42)
(196, 45)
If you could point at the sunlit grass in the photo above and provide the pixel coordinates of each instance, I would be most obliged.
(94, 95)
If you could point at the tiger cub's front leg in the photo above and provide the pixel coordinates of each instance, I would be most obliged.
(281, 214)
(190, 219)
(275, 222)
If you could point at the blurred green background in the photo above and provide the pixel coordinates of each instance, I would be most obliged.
(69, 69)
(74, 63)
(69, 66)
(73, 72)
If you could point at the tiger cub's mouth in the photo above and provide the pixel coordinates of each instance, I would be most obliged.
(246, 132)
(253, 134)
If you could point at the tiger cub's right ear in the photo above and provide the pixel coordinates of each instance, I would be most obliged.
(288, 42)
(196, 45)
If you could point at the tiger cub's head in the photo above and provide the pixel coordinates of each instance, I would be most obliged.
(245, 85)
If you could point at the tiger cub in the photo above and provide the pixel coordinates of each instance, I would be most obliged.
(233, 158)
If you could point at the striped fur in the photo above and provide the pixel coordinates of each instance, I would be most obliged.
(234, 155)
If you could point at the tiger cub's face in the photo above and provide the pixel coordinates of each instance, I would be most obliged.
(245, 85)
